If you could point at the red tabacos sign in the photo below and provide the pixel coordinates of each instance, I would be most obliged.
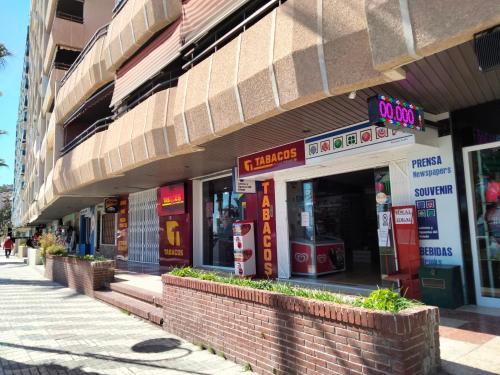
(175, 241)
(171, 200)
(268, 256)
(282, 157)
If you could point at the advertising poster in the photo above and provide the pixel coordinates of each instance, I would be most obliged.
(244, 248)
(171, 200)
(111, 205)
(122, 236)
(330, 258)
(427, 219)
(434, 193)
(302, 258)
(175, 240)
(384, 226)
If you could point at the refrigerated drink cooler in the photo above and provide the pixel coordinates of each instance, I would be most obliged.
(316, 258)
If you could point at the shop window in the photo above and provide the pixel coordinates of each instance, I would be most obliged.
(108, 229)
(486, 175)
(221, 207)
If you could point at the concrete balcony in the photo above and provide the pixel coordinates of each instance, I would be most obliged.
(50, 191)
(50, 13)
(54, 78)
(304, 51)
(134, 24)
(433, 26)
(33, 212)
(299, 53)
(66, 33)
(140, 136)
(51, 130)
(85, 76)
(43, 149)
(296, 55)
(40, 200)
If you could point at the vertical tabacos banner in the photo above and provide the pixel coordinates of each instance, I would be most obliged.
(122, 236)
(267, 265)
(434, 193)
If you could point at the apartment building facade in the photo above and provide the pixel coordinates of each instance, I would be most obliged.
(152, 126)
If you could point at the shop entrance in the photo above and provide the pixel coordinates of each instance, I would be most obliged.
(482, 171)
(340, 227)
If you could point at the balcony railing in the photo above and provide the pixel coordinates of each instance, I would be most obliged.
(100, 32)
(146, 93)
(69, 17)
(61, 65)
(96, 127)
(118, 6)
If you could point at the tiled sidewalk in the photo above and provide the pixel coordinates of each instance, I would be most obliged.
(469, 336)
(48, 329)
(470, 341)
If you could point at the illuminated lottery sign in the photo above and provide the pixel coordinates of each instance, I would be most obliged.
(384, 110)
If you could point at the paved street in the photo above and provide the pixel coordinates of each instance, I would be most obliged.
(48, 329)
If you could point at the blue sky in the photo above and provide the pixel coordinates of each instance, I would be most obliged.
(14, 19)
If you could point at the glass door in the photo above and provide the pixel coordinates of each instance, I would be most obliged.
(482, 171)
(222, 207)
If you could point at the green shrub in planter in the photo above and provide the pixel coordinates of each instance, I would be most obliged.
(57, 250)
(381, 299)
(50, 244)
(93, 258)
(386, 300)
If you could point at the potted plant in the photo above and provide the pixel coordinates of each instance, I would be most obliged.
(50, 244)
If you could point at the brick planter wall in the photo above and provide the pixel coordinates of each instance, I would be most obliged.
(82, 275)
(278, 334)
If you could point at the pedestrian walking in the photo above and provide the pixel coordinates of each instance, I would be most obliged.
(7, 246)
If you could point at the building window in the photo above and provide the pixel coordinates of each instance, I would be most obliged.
(108, 222)
(221, 208)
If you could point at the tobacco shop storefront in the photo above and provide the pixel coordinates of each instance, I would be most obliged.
(333, 198)
(218, 203)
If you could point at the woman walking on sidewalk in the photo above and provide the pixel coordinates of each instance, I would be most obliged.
(7, 246)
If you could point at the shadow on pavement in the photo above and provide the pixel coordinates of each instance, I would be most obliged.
(12, 367)
(452, 368)
(156, 345)
(15, 264)
(30, 282)
(107, 358)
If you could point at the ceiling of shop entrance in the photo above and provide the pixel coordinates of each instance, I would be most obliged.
(429, 83)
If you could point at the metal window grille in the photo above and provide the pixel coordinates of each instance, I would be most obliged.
(108, 229)
(144, 227)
